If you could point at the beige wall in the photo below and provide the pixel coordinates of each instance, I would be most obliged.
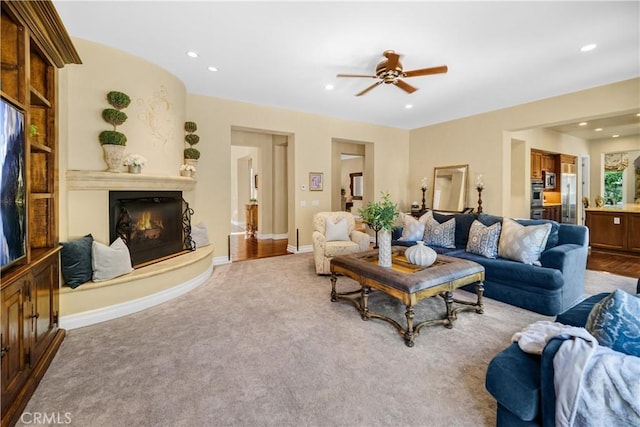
(484, 141)
(154, 127)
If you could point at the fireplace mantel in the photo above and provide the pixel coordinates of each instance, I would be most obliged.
(98, 180)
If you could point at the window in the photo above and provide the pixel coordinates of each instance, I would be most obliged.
(613, 187)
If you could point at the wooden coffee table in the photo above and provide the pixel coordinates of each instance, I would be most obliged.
(410, 284)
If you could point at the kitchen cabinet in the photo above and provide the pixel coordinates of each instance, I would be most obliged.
(549, 162)
(614, 229)
(536, 164)
(553, 212)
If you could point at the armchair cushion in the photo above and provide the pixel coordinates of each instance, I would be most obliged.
(335, 225)
(337, 231)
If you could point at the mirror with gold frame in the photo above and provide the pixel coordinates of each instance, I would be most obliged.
(450, 188)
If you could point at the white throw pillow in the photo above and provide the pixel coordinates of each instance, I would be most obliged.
(110, 261)
(199, 235)
(523, 243)
(412, 229)
(336, 231)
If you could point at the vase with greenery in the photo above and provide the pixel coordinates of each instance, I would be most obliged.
(113, 142)
(380, 217)
(191, 155)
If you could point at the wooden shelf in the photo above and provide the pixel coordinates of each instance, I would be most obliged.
(12, 100)
(41, 148)
(39, 99)
(98, 180)
(39, 196)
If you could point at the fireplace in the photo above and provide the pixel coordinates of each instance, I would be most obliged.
(155, 225)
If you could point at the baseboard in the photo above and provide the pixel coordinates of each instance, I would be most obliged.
(302, 249)
(92, 317)
(221, 260)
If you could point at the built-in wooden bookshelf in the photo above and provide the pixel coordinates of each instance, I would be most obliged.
(34, 44)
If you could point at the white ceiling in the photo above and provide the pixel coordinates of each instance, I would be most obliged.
(283, 54)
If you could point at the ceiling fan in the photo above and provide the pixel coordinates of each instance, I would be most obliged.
(390, 70)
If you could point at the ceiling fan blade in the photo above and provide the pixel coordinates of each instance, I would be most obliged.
(369, 88)
(426, 71)
(392, 60)
(405, 86)
(356, 75)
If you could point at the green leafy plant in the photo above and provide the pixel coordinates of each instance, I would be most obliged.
(114, 117)
(33, 131)
(192, 139)
(380, 215)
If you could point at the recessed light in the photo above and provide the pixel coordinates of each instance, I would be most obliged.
(615, 136)
(408, 106)
(588, 47)
(598, 129)
(582, 124)
(212, 68)
(638, 115)
(192, 54)
(328, 87)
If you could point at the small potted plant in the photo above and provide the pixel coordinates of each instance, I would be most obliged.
(134, 162)
(188, 170)
(381, 216)
(112, 141)
(191, 154)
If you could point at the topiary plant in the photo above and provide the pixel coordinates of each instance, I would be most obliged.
(191, 153)
(115, 117)
(192, 139)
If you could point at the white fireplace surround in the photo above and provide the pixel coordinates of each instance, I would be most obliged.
(147, 286)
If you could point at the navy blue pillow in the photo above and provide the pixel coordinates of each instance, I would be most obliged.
(463, 225)
(75, 258)
(614, 322)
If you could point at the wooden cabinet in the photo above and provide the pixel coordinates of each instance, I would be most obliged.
(34, 43)
(549, 163)
(552, 212)
(251, 217)
(617, 231)
(536, 164)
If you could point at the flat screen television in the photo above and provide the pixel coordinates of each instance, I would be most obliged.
(13, 203)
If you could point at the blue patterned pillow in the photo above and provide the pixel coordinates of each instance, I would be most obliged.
(615, 322)
(483, 240)
(436, 234)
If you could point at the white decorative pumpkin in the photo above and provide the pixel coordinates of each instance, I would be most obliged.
(419, 254)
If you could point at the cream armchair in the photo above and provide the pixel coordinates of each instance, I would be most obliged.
(341, 239)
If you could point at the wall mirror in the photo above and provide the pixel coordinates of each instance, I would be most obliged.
(357, 185)
(450, 188)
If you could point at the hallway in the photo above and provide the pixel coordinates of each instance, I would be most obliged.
(243, 247)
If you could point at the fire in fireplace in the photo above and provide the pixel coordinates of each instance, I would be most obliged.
(155, 225)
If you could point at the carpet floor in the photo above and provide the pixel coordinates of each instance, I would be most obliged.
(261, 344)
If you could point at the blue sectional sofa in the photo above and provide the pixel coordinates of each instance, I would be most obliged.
(551, 288)
(523, 383)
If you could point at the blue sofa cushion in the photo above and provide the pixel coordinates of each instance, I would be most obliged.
(615, 323)
(463, 224)
(577, 315)
(513, 379)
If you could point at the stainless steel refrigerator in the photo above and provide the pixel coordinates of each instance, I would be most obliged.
(569, 183)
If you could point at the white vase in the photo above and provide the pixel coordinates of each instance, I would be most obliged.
(188, 174)
(192, 162)
(113, 156)
(135, 168)
(384, 248)
(421, 255)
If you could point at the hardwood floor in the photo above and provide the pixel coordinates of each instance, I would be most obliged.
(245, 247)
(624, 265)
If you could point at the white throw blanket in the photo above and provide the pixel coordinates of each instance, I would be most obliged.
(595, 386)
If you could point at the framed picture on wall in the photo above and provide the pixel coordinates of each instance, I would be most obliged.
(316, 181)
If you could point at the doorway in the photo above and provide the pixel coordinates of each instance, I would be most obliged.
(259, 194)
